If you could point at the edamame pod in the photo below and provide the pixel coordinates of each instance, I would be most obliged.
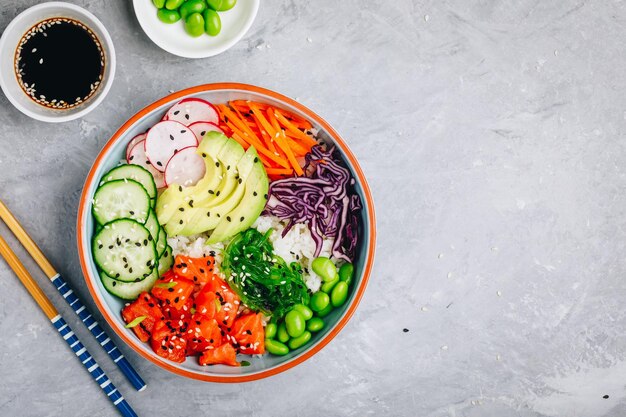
(191, 6)
(299, 341)
(339, 294)
(212, 22)
(276, 348)
(173, 4)
(325, 268)
(168, 16)
(319, 301)
(295, 323)
(194, 24)
(270, 330)
(346, 272)
(315, 324)
(304, 310)
(281, 333)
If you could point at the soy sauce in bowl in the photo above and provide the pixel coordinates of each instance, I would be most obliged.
(59, 63)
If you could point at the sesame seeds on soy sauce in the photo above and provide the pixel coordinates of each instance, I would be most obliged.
(59, 63)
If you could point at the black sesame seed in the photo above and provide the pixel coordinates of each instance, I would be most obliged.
(181, 222)
(132, 213)
(239, 180)
(99, 246)
(180, 188)
(114, 283)
(256, 159)
(605, 396)
(137, 244)
(181, 209)
(228, 218)
(187, 116)
(228, 168)
(405, 330)
(217, 164)
(203, 133)
(255, 193)
(217, 194)
(171, 137)
(203, 155)
(190, 203)
(176, 112)
(170, 289)
(208, 214)
(159, 163)
(241, 219)
(110, 246)
(145, 242)
(176, 299)
(211, 192)
(265, 196)
(151, 304)
(130, 270)
(183, 131)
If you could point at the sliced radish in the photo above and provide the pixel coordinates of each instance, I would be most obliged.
(185, 168)
(137, 156)
(192, 110)
(201, 128)
(132, 144)
(166, 138)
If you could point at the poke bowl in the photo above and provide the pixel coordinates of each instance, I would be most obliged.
(226, 233)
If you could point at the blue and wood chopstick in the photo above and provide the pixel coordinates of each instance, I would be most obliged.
(68, 294)
(65, 331)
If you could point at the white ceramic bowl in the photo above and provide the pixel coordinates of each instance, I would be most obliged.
(8, 45)
(174, 39)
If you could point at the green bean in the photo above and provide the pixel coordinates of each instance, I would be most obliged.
(327, 287)
(304, 310)
(168, 16)
(221, 5)
(299, 341)
(191, 6)
(281, 333)
(315, 324)
(159, 3)
(295, 323)
(325, 312)
(173, 4)
(339, 294)
(346, 272)
(194, 24)
(212, 22)
(325, 268)
(319, 301)
(276, 348)
(270, 330)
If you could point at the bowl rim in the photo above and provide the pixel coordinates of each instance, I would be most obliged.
(221, 48)
(370, 250)
(108, 44)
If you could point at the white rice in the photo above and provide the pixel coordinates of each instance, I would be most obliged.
(296, 246)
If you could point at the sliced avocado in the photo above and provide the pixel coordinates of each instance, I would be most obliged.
(207, 218)
(212, 143)
(248, 209)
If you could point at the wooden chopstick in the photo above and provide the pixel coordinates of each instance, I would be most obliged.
(65, 331)
(72, 299)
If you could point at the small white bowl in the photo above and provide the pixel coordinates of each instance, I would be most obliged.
(8, 45)
(174, 39)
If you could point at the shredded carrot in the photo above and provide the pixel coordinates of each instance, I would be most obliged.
(281, 140)
(294, 130)
(279, 171)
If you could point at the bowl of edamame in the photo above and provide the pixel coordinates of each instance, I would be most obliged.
(278, 288)
(195, 28)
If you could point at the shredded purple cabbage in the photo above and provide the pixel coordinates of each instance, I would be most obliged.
(323, 199)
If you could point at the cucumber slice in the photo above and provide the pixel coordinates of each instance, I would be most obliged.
(135, 173)
(120, 199)
(152, 224)
(161, 243)
(166, 261)
(124, 250)
(128, 290)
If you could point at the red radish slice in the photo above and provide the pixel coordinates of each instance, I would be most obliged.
(138, 156)
(192, 110)
(201, 128)
(166, 138)
(185, 168)
(133, 142)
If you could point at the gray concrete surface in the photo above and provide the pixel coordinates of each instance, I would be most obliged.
(494, 137)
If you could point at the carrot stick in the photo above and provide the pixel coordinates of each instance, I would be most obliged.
(294, 130)
(281, 140)
(258, 146)
(279, 171)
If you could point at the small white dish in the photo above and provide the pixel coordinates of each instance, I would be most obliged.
(174, 39)
(8, 45)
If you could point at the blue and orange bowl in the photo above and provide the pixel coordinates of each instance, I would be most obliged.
(110, 306)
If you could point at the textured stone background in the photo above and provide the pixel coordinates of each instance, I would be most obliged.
(494, 137)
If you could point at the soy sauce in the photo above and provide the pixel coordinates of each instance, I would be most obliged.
(59, 63)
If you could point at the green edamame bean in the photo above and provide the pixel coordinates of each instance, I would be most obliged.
(327, 287)
(295, 323)
(325, 268)
(299, 341)
(326, 311)
(221, 5)
(304, 310)
(339, 294)
(191, 6)
(159, 3)
(319, 301)
(212, 22)
(315, 324)
(346, 272)
(173, 4)
(281, 333)
(168, 16)
(276, 348)
(194, 24)
(270, 330)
